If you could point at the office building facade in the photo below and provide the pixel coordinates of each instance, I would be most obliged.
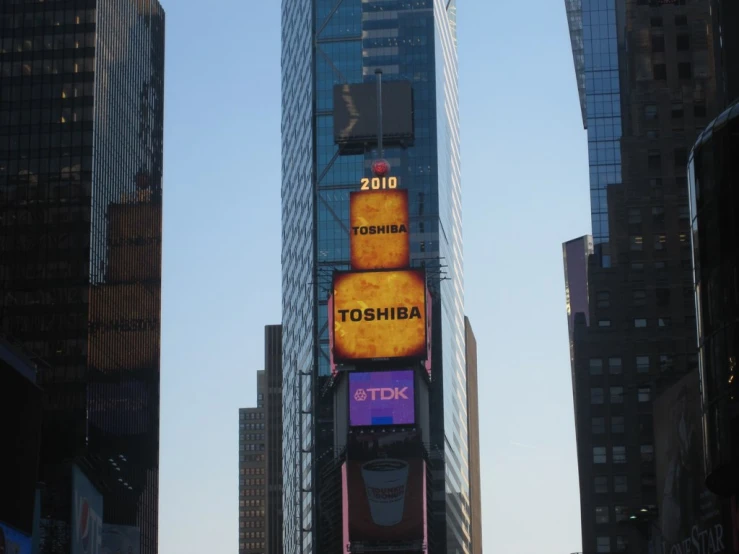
(273, 430)
(81, 131)
(473, 415)
(647, 86)
(252, 471)
(326, 44)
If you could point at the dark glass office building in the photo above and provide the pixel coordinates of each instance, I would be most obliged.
(81, 130)
(327, 43)
(714, 180)
(647, 85)
(273, 426)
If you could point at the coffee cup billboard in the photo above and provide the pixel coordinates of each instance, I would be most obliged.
(381, 398)
(379, 229)
(379, 315)
(385, 497)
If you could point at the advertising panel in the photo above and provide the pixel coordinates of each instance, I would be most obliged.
(87, 515)
(379, 315)
(385, 497)
(379, 229)
(690, 516)
(381, 398)
(121, 539)
(13, 542)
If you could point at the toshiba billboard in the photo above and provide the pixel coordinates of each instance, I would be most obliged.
(379, 229)
(379, 315)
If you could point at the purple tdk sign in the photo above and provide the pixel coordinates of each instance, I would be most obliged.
(381, 398)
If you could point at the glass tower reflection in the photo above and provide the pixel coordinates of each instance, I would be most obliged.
(81, 130)
(414, 41)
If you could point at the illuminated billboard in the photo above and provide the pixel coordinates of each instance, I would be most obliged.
(87, 515)
(379, 229)
(384, 499)
(379, 315)
(381, 398)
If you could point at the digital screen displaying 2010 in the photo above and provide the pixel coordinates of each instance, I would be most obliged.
(381, 398)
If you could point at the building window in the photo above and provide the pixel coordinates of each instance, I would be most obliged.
(650, 112)
(639, 297)
(604, 323)
(601, 514)
(699, 110)
(647, 453)
(660, 71)
(655, 22)
(617, 424)
(620, 483)
(640, 323)
(681, 20)
(684, 70)
(617, 395)
(642, 364)
(599, 455)
(664, 322)
(637, 267)
(658, 43)
(634, 215)
(596, 366)
(602, 544)
(659, 242)
(619, 454)
(614, 366)
(622, 544)
(620, 512)
(654, 160)
(681, 157)
(599, 425)
(603, 299)
(600, 484)
(596, 395)
(645, 394)
(652, 134)
(658, 215)
(636, 243)
(678, 111)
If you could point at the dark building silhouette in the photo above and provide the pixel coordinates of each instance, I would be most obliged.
(80, 244)
(20, 429)
(473, 419)
(647, 86)
(252, 471)
(273, 424)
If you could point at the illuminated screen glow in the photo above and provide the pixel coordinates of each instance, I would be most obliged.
(381, 398)
(379, 315)
(379, 229)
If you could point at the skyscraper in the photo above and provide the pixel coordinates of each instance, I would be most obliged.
(474, 432)
(273, 429)
(252, 470)
(80, 247)
(647, 86)
(326, 44)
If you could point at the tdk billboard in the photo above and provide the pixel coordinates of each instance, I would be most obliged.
(87, 515)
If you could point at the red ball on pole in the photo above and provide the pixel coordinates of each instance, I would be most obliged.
(380, 168)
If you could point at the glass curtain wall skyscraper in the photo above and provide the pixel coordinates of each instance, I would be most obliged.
(81, 132)
(325, 43)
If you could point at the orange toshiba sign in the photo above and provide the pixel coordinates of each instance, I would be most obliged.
(379, 315)
(379, 229)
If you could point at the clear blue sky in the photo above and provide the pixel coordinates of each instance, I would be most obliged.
(524, 169)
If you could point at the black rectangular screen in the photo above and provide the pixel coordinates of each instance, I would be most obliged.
(355, 114)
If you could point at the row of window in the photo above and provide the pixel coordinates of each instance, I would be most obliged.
(251, 458)
(251, 447)
(603, 544)
(618, 454)
(251, 545)
(643, 322)
(251, 426)
(253, 513)
(243, 482)
(252, 437)
(51, 41)
(658, 214)
(642, 363)
(252, 471)
(636, 242)
(681, 20)
(254, 503)
(47, 67)
(46, 18)
(603, 514)
(597, 395)
(251, 415)
(679, 156)
(682, 42)
(677, 111)
(250, 524)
